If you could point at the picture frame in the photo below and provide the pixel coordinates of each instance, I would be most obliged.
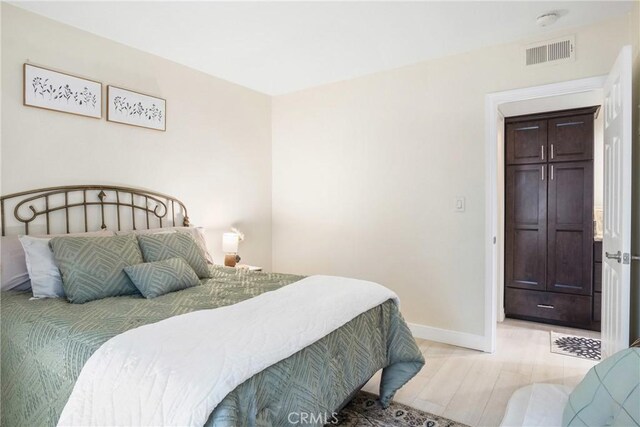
(59, 91)
(136, 109)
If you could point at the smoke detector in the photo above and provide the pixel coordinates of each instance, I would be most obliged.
(547, 19)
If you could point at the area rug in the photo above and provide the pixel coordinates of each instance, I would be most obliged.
(573, 345)
(365, 410)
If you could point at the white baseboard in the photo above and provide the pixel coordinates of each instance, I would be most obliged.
(446, 336)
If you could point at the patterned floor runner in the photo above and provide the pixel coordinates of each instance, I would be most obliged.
(365, 410)
(572, 345)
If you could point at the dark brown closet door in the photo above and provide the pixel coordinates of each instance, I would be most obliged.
(526, 142)
(526, 226)
(571, 138)
(570, 222)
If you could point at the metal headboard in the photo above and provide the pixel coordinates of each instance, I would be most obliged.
(142, 209)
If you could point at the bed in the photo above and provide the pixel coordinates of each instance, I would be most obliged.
(47, 343)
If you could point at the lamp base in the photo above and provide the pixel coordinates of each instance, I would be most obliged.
(230, 260)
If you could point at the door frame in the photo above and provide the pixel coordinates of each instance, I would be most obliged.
(494, 190)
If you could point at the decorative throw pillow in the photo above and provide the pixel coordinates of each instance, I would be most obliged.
(197, 233)
(93, 267)
(158, 247)
(41, 265)
(13, 260)
(161, 277)
(609, 395)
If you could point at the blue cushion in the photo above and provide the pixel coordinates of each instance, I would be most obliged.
(158, 247)
(92, 267)
(608, 395)
(161, 277)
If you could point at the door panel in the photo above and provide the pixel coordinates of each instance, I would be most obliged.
(571, 138)
(570, 222)
(568, 263)
(526, 227)
(617, 206)
(569, 182)
(526, 142)
(526, 246)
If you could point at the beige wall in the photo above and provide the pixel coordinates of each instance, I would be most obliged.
(365, 173)
(215, 154)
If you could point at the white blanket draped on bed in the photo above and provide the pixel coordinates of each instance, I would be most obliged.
(175, 372)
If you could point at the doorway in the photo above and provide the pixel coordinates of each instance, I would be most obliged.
(551, 245)
(565, 95)
(616, 100)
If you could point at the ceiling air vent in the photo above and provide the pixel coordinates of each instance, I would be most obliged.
(551, 51)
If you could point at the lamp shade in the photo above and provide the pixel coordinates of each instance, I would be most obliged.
(230, 243)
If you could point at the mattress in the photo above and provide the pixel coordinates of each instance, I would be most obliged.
(45, 344)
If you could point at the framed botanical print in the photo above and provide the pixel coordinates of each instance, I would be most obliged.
(57, 91)
(136, 109)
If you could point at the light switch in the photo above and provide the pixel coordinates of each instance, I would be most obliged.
(459, 205)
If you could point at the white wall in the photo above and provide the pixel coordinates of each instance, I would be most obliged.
(215, 154)
(365, 173)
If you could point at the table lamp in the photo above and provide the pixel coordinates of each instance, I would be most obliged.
(230, 248)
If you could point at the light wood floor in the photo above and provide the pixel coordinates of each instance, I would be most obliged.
(473, 387)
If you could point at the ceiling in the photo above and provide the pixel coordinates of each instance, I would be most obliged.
(280, 47)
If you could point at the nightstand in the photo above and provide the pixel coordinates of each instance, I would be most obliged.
(248, 267)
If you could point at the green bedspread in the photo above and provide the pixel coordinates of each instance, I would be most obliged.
(45, 343)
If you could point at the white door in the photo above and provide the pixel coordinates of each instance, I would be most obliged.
(616, 268)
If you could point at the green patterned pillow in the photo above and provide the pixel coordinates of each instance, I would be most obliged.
(158, 247)
(92, 267)
(161, 277)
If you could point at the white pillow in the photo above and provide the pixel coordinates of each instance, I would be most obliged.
(201, 240)
(13, 268)
(196, 232)
(46, 281)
